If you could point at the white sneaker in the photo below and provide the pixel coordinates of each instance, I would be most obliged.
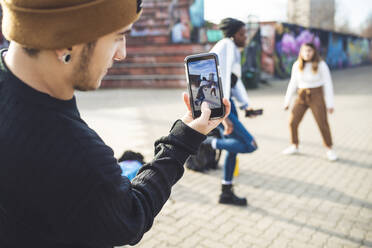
(331, 155)
(290, 150)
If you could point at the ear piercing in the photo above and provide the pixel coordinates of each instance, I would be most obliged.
(66, 58)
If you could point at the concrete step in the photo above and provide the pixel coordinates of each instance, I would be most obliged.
(146, 20)
(147, 69)
(138, 34)
(144, 81)
(157, 58)
(162, 3)
(165, 8)
(168, 48)
(154, 25)
(149, 39)
(152, 60)
(155, 15)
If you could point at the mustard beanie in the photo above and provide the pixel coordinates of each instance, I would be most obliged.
(54, 24)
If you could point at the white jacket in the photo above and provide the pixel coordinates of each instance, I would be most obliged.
(307, 79)
(229, 60)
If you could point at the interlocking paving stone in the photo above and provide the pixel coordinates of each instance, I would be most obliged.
(294, 201)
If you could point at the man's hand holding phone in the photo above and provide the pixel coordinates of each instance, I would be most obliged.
(203, 124)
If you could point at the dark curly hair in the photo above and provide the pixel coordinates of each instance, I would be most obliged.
(131, 155)
(230, 26)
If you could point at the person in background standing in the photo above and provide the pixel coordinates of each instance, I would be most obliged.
(312, 80)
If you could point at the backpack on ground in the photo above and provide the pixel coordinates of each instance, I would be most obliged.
(206, 158)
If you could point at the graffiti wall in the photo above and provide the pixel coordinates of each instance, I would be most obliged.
(187, 22)
(181, 20)
(251, 60)
(336, 56)
(358, 50)
(267, 33)
(281, 43)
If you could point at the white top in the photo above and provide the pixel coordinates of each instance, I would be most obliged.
(229, 59)
(204, 83)
(308, 79)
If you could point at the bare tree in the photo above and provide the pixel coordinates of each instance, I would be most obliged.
(344, 27)
(367, 27)
(342, 23)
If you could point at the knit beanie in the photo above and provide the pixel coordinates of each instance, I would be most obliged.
(230, 26)
(54, 24)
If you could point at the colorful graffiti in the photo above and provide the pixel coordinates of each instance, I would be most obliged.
(187, 22)
(358, 50)
(336, 56)
(268, 48)
(288, 40)
(338, 50)
(251, 61)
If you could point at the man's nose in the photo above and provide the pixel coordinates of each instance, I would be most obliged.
(121, 53)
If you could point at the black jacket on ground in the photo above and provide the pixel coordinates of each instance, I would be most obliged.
(60, 185)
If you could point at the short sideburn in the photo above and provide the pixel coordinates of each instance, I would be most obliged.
(32, 52)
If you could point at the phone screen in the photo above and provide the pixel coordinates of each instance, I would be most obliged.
(204, 84)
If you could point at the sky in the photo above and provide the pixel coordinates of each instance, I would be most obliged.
(356, 11)
(203, 67)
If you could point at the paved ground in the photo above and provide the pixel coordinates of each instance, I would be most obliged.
(295, 201)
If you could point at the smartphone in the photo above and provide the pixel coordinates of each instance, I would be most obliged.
(253, 112)
(204, 84)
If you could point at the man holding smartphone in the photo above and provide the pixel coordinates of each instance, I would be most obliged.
(60, 185)
(237, 139)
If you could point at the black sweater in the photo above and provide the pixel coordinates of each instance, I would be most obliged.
(60, 185)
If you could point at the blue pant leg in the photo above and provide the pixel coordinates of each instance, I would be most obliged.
(233, 109)
(229, 166)
(244, 141)
(239, 141)
(230, 159)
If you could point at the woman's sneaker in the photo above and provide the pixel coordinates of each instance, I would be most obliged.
(290, 150)
(331, 155)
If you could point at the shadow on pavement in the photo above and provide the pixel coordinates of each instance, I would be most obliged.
(339, 148)
(300, 224)
(289, 186)
(310, 190)
(353, 163)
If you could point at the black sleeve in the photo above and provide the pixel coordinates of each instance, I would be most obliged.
(234, 80)
(117, 212)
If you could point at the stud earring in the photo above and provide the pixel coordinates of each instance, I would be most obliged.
(66, 58)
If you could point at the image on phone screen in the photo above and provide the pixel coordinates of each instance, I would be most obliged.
(203, 80)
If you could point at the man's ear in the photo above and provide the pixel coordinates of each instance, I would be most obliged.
(64, 55)
(63, 51)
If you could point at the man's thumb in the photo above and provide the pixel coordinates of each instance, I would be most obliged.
(205, 112)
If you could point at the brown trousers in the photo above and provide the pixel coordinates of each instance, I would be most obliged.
(314, 99)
